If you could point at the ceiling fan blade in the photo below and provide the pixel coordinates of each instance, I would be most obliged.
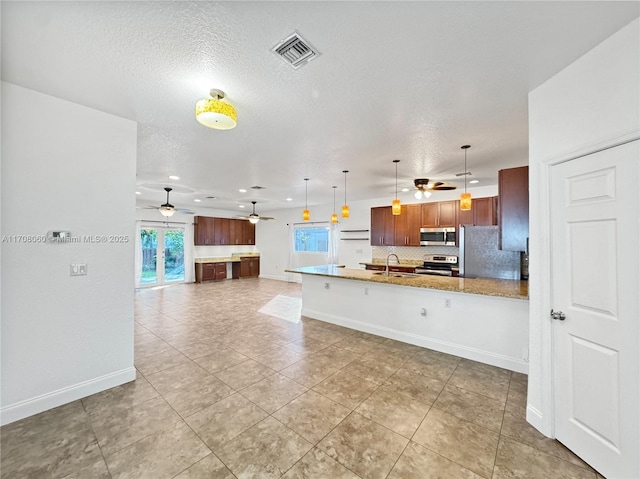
(185, 211)
(441, 186)
(266, 218)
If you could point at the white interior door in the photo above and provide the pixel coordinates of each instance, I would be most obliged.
(595, 221)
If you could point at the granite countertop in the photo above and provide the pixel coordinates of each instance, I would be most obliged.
(506, 288)
(234, 258)
(405, 262)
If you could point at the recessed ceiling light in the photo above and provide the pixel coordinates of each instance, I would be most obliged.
(240, 206)
(138, 193)
(174, 177)
(197, 200)
(473, 182)
(289, 199)
(242, 190)
(404, 190)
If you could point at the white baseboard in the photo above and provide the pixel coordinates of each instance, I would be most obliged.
(501, 361)
(38, 404)
(279, 278)
(534, 417)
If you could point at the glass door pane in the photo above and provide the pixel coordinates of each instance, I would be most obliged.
(149, 242)
(173, 255)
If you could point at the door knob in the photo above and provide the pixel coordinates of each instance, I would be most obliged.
(559, 315)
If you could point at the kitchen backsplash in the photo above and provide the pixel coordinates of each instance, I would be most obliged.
(411, 253)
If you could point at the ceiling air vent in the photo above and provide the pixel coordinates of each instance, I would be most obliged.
(295, 50)
(258, 187)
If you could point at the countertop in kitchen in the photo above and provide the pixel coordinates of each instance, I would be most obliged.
(505, 288)
(227, 259)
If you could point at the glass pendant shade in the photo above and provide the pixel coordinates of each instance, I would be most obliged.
(334, 218)
(418, 195)
(306, 215)
(167, 210)
(465, 201)
(216, 114)
(396, 207)
(254, 219)
(345, 208)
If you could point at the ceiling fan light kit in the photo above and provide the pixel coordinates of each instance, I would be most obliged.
(216, 114)
(465, 198)
(167, 209)
(422, 188)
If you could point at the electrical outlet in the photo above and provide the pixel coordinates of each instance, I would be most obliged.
(366, 291)
(423, 312)
(326, 285)
(447, 303)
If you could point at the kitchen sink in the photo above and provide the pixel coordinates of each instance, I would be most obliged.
(398, 275)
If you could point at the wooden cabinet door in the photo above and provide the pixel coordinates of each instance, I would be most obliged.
(448, 213)
(208, 271)
(513, 207)
(407, 226)
(382, 226)
(484, 212)
(203, 231)
(430, 214)
(245, 267)
(220, 270)
(235, 232)
(221, 231)
(255, 267)
(248, 233)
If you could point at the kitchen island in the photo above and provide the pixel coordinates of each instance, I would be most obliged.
(482, 319)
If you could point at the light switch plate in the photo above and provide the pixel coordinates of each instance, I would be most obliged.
(78, 269)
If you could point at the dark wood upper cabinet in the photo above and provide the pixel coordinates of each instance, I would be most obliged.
(513, 208)
(209, 231)
(203, 231)
(382, 226)
(407, 226)
(440, 213)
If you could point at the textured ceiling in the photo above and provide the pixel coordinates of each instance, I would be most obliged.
(411, 81)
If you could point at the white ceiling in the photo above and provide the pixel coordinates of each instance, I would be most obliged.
(395, 80)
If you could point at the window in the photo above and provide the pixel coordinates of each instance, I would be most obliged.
(312, 240)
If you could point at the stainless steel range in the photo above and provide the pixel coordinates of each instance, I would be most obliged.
(438, 264)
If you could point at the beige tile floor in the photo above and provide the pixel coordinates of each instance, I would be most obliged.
(224, 391)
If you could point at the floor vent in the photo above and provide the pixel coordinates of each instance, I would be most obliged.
(295, 50)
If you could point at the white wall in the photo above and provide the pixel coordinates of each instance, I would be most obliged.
(71, 168)
(272, 237)
(591, 104)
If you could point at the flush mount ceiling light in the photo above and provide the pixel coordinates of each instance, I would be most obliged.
(305, 213)
(345, 207)
(465, 198)
(216, 114)
(396, 207)
(167, 209)
(334, 216)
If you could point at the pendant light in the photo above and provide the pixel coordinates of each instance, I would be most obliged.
(345, 207)
(214, 113)
(305, 212)
(396, 207)
(334, 216)
(465, 198)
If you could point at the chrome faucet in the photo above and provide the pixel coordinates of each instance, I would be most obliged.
(386, 270)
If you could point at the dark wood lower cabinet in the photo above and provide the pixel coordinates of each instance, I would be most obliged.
(247, 267)
(210, 271)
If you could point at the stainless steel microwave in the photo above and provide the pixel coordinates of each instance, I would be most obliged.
(438, 236)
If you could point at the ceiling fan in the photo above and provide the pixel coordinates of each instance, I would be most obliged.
(253, 217)
(424, 188)
(167, 209)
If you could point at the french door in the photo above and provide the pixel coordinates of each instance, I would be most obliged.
(162, 256)
(595, 290)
